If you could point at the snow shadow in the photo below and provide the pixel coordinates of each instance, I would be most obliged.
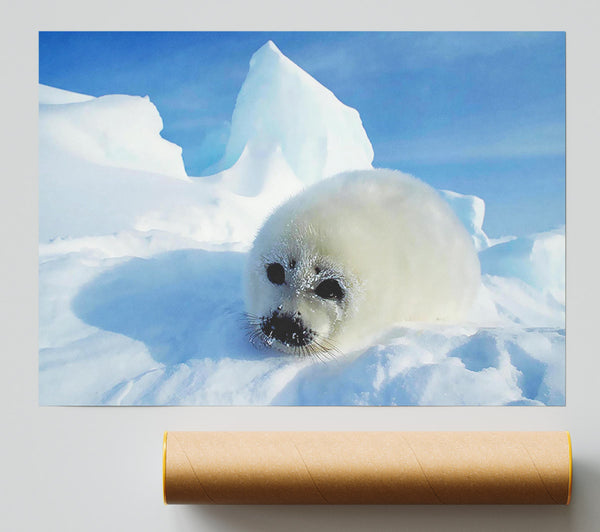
(479, 353)
(182, 304)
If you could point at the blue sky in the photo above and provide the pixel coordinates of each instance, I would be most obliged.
(478, 113)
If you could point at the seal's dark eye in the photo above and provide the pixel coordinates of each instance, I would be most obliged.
(276, 273)
(330, 289)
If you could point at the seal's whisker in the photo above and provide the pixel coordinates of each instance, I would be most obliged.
(330, 344)
(330, 350)
(322, 354)
(250, 318)
(254, 323)
(254, 334)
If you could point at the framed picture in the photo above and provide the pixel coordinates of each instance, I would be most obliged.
(302, 218)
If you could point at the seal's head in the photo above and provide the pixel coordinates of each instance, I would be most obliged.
(297, 298)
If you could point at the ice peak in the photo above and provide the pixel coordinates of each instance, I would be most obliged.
(281, 106)
(272, 67)
(267, 51)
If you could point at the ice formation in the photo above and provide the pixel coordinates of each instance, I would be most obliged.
(471, 211)
(279, 104)
(114, 130)
(140, 266)
(538, 259)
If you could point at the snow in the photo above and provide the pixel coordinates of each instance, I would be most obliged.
(538, 259)
(471, 212)
(279, 104)
(52, 95)
(114, 130)
(141, 266)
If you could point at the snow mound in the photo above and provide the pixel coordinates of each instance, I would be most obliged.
(230, 207)
(80, 197)
(538, 260)
(52, 95)
(115, 130)
(471, 212)
(440, 367)
(279, 104)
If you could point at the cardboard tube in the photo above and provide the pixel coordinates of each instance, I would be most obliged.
(367, 467)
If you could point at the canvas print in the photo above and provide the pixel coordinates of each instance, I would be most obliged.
(319, 218)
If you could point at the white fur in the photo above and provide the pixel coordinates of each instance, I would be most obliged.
(394, 244)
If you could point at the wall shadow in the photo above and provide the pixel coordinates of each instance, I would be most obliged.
(381, 518)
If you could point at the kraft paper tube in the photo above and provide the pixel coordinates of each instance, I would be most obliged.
(367, 467)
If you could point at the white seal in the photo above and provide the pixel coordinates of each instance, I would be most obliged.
(354, 255)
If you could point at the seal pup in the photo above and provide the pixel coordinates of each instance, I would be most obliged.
(354, 255)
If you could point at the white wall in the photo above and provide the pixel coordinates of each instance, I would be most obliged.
(96, 469)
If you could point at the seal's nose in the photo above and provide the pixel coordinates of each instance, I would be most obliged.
(286, 328)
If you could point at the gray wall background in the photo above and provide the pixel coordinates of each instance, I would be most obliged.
(96, 469)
